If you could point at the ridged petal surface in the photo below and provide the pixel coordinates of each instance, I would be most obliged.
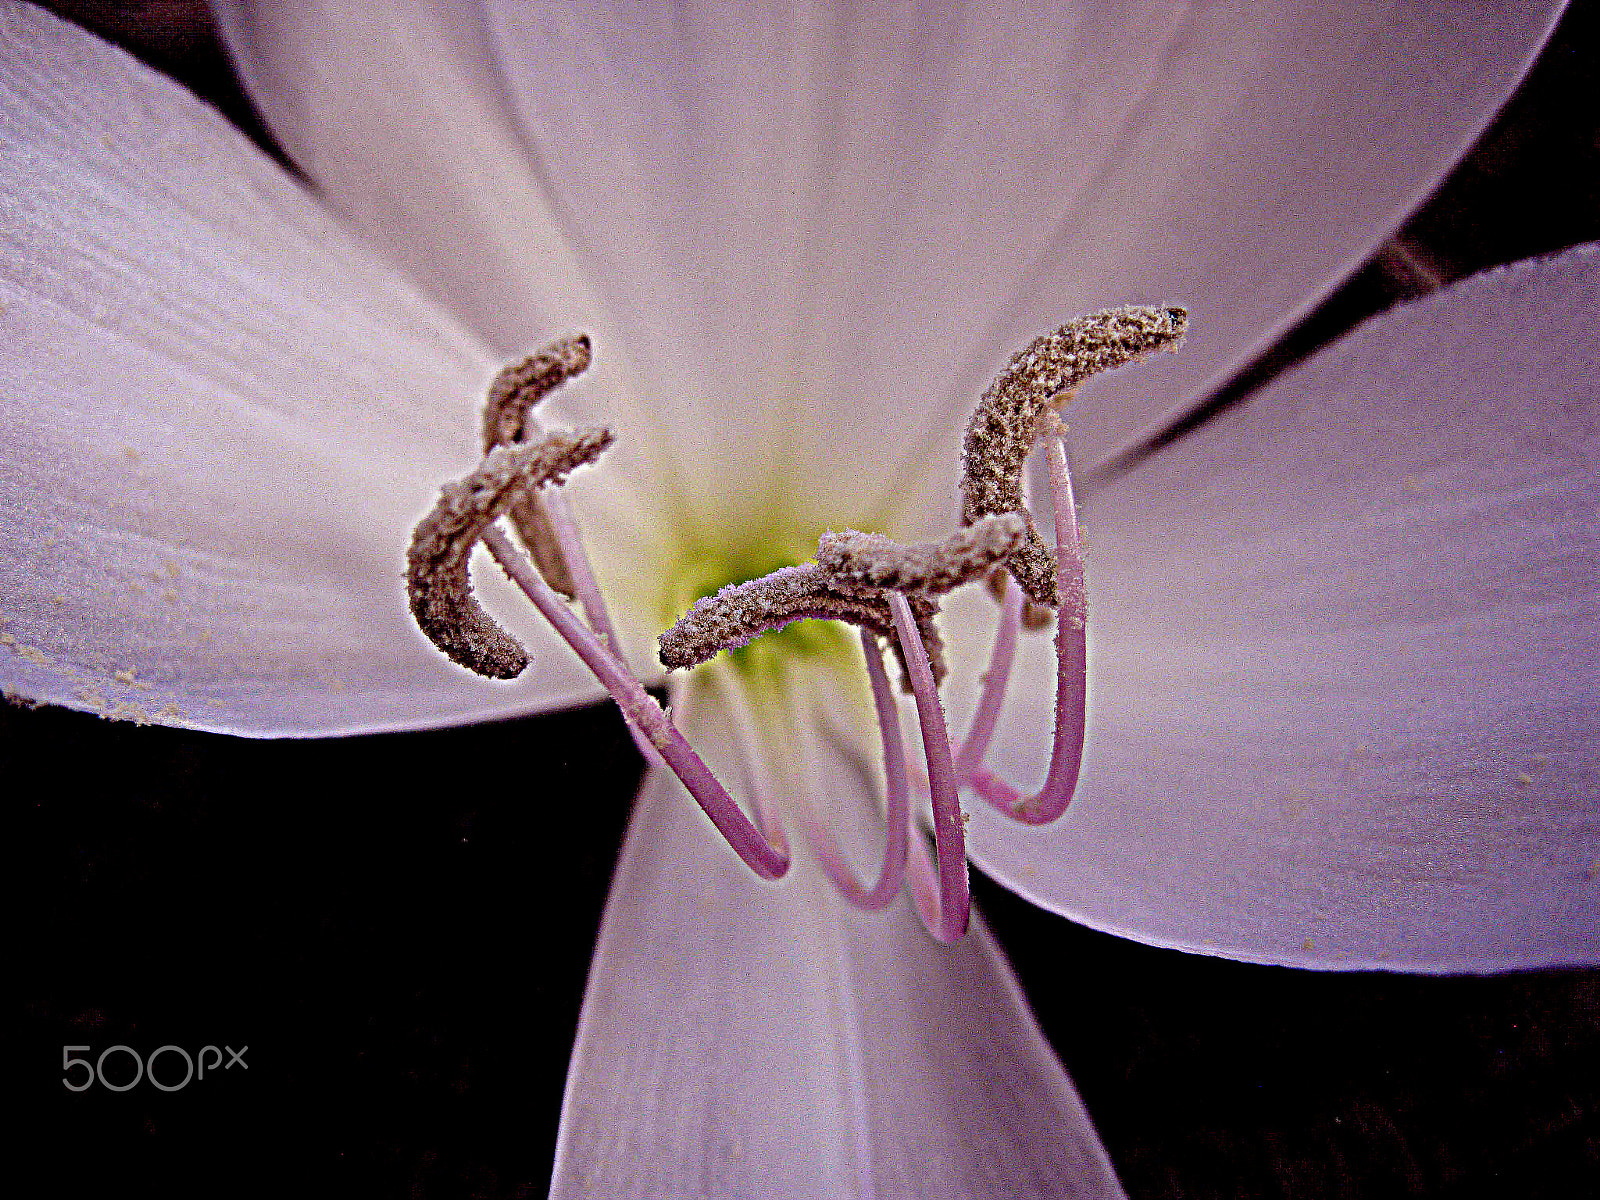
(1343, 707)
(741, 1038)
(223, 416)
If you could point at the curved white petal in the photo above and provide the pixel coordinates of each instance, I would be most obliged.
(741, 1039)
(222, 420)
(1343, 706)
(820, 228)
(398, 114)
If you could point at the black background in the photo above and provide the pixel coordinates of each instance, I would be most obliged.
(398, 927)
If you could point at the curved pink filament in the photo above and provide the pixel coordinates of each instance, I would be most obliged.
(755, 767)
(923, 877)
(1072, 665)
(897, 818)
(970, 757)
(766, 859)
(944, 909)
(570, 540)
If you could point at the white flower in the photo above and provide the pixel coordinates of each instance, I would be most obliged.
(1333, 630)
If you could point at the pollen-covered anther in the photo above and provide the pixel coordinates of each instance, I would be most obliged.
(520, 386)
(742, 612)
(1016, 409)
(1034, 616)
(508, 420)
(437, 582)
(872, 560)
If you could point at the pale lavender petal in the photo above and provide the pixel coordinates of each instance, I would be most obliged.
(742, 1039)
(1343, 644)
(398, 113)
(222, 419)
(808, 220)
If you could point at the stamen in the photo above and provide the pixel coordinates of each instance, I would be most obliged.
(995, 678)
(508, 420)
(1034, 616)
(520, 386)
(437, 583)
(1066, 756)
(587, 592)
(1006, 423)
(872, 560)
(757, 775)
(897, 815)
(544, 522)
(742, 612)
(944, 910)
(766, 859)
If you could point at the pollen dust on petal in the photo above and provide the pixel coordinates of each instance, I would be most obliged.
(170, 714)
(124, 711)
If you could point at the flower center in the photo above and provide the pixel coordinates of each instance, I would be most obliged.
(764, 664)
(754, 597)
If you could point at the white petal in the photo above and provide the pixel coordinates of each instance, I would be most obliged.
(399, 116)
(740, 1038)
(1343, 657)
(223, 418)
(809, 222)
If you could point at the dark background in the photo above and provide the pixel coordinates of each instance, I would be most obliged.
(399, 926)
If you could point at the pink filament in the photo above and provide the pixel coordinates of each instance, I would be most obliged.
(897, 819)
(1072, 661)
(766, 859)
(944, 909)
(757, 777)
(995, 679)
(589, 595)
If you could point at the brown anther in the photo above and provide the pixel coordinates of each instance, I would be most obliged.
(1034, 616)
(437, 583)
(520, 386)
(742, 612)
(872, 560)
(1019, 404)
(508, 421)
